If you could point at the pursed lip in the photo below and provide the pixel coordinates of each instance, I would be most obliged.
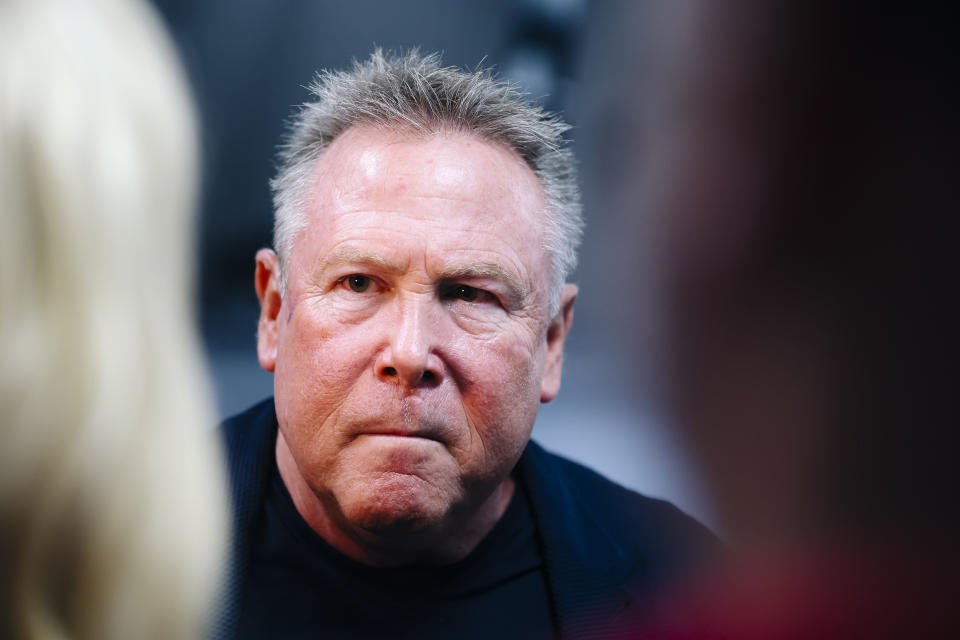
(400, 434)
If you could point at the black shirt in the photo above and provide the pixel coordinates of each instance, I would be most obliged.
(299, 586)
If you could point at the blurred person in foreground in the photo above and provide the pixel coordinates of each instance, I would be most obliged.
(414, 316)
(798, 179)
(112, 496)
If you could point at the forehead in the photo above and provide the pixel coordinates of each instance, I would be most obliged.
(448, 193)
(367, 162)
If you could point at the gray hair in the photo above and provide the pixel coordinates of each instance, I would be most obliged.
(416, 92)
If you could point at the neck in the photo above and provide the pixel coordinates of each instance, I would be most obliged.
(445, 542)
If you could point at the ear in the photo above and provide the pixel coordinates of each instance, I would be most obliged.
(556, 334)
(266, 279)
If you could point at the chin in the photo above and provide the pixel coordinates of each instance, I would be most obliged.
(395, 503)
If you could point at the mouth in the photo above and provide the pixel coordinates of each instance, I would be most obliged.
(400, 434)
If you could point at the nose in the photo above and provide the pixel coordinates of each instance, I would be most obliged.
(409, 358)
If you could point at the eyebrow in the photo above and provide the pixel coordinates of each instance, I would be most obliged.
(354, 255)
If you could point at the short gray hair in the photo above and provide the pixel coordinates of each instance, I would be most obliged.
(416, 92)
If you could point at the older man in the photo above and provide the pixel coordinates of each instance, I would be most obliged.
(414, 316)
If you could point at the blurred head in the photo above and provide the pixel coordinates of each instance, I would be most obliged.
(110, 491)
(416, 332)
(795, 181)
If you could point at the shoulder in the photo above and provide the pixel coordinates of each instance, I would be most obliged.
(244, 425)
(604, 497)
(246, 433)
(249, 439)
(666, 538)
(614, 500)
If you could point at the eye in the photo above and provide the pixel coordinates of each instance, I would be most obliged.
(467, 293)
(357, 283)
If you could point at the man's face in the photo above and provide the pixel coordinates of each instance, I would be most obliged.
(412, 346)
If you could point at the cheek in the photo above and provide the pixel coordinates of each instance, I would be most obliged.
(502, 404)
(501, 367)
(316, 366)
(515, 364)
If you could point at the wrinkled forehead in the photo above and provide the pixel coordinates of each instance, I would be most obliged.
(368, 160)
(465, 189)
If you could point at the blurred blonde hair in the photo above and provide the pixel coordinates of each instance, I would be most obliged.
(112, 496)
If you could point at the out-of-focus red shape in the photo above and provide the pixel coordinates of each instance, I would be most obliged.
(795, 180)
(825, 593)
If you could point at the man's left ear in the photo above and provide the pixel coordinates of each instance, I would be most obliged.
(556, 334)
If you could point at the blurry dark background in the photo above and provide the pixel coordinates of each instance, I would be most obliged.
(248, 62)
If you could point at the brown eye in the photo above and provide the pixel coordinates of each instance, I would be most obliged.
(358, 283)
(465, 293)
(456, 292)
